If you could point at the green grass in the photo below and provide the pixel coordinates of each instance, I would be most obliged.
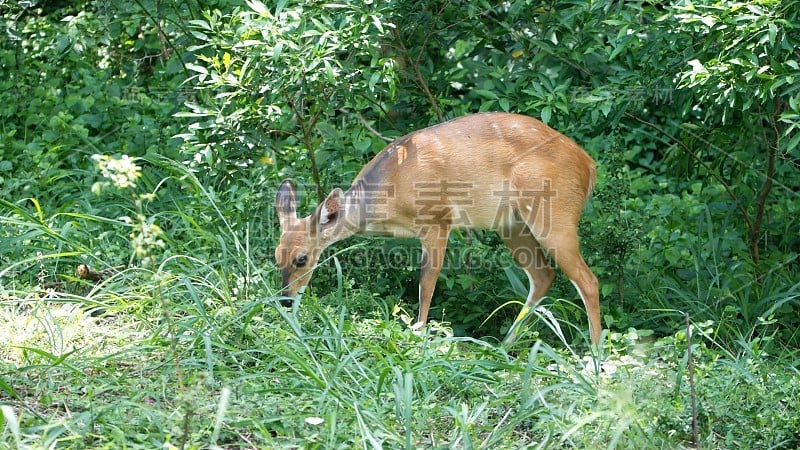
(192, 350)
(260, 377)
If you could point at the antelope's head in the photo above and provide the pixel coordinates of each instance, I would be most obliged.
(303, 239)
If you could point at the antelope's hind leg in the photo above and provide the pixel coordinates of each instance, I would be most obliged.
(528, 254)
(555, 226)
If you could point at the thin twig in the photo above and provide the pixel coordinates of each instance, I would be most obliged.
(372, 130)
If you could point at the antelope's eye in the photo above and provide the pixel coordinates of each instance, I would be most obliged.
(301, 260)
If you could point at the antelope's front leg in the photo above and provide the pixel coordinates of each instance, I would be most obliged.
(434, 246)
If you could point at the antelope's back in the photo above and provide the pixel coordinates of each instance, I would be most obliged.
(473, 166)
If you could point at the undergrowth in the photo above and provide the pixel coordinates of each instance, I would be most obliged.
(176, 349)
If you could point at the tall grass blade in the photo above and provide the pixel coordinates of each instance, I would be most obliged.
(222, 407)
(366, 433)
(11, 421)
(403, 388)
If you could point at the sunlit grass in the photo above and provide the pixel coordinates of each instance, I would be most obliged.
(36, 326)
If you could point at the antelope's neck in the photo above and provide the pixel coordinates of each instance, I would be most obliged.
(372, 209)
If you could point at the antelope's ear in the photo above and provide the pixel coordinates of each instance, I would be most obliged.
(286, 203)
(330, 210)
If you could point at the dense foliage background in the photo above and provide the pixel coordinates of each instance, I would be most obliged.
(145, 140)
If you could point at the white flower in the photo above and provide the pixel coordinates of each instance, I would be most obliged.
(123, 171)
(315, 420)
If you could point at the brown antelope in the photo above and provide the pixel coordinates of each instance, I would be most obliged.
(499, 171)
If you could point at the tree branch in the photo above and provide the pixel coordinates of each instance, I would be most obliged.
(370, 129)
(419, 79)
(763, 193)
(163, 38)
(307, 128)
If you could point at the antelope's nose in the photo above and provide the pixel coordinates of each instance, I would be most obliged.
(286, 276)
(285, 298)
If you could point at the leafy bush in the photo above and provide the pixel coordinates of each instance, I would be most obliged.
(143, 141)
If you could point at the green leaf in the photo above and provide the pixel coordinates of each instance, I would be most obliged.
(620, 47)
(362, 145)
(197, 68)
(486, 94)
(279, 7)
(546, 113)
(377, 22)
(486, 106)
(201, 23)
(373, 80)
(199, 35)
(516, 283)
(6, 387)
(792, 144)
(259, 7)
(605, 108)
(504, 104)
(773, 32)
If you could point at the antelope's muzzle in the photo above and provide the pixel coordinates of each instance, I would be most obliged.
(286, 299)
